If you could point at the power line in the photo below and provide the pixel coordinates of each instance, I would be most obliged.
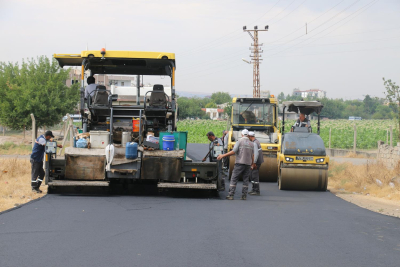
(308, 23)
(207, 46)
(233, 55)
(329, 26)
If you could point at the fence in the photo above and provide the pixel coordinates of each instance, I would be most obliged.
(388, 154)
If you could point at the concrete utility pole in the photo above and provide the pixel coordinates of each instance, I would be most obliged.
(255, 56)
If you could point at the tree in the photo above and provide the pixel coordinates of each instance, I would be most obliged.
(393, 95)
(281, 97)
(228, 109)
(37, 87)
(221, 98)
(211, 105)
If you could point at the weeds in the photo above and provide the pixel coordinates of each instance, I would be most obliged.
(15, 184)
(370, 179)
(10, 148)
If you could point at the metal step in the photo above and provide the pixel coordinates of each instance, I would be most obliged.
(187, 186)
(77, 183)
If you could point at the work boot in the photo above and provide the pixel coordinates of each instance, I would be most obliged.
(229, 197)
(254, 193)
(243, 197)
(36, 190)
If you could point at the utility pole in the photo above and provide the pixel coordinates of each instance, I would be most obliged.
(255, 56)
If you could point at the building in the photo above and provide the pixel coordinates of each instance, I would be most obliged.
(117, 80)
(317, 93)
(265, 93)
(73, 77)
(214, 113)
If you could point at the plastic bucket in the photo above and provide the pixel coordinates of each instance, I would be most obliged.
(135, 125)
(131, 150)
(126, 137)
(168, 142)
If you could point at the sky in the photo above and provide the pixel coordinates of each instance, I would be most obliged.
(350, 45)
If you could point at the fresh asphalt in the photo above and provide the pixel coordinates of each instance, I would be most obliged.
(278, 228)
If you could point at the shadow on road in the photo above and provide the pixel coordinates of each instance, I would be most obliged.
(133, 190)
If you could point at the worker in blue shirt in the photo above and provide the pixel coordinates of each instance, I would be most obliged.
(37, 173)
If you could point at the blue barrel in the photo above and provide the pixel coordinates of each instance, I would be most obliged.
(168, 142)
(131, 150)
(81, 143)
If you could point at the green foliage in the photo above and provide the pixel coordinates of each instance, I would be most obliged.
(393, 95)
(369, 132)
(211, 105)
(228, 110)
(38, 87)
(221, 98)
(197, 129)
(191, 107)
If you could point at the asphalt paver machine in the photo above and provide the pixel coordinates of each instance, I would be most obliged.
(105, 116)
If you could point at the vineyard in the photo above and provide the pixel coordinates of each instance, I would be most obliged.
(369, 132)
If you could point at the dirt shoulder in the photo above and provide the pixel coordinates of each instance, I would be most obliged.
(388, 207)
(368, 183)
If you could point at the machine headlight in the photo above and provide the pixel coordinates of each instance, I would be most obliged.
(289, 159)
(320, 160)
(269, 147)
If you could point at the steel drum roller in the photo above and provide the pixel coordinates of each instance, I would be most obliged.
(268, 170)
(303, 179)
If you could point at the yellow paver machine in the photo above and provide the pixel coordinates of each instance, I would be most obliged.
(302, 160)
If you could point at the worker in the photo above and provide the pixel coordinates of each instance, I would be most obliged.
(215, 141)
(255, 171)
(225, 142)
(246, 154)
(90, 87)
(302, 122)
(37, 173)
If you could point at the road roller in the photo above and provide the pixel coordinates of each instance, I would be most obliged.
(260, 116)
(302, 160)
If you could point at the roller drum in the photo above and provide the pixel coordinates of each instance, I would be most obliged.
(303, 179)
(268, 170)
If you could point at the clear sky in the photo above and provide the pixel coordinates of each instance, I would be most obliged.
(349, 47)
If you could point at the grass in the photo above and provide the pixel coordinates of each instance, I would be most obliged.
(10, 148)
(15, 183)
(363, 179)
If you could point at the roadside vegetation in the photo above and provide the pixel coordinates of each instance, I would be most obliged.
(15, 185)
(373, 179)
(369, 132)
(10, 148)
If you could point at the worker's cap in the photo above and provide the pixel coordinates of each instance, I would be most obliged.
(252, 134)
(245, 132)
(49, 133)
(210, 134)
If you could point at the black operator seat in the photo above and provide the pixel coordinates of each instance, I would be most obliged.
(158, 98)
(100, 97)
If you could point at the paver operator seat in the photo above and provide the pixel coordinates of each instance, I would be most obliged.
(158, 99)
(99, 103)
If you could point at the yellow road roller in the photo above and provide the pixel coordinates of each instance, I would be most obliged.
(260, 116)
(302, 160)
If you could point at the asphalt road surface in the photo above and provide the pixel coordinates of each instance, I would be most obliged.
(279, 228)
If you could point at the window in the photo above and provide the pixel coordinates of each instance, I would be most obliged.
(253, 113)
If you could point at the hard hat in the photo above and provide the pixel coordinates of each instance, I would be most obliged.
(252, 134)
(245, 132)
